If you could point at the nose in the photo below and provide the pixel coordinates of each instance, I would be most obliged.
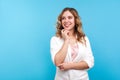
(66, 20)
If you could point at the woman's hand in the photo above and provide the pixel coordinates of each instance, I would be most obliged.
(65, 34)
(65, 66)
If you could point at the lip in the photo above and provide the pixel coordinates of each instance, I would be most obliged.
(67, 25)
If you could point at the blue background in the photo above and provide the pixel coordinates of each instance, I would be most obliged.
(26, 27)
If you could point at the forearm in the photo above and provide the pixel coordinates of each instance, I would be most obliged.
(74, 65)
(61, 54)
(79, 65)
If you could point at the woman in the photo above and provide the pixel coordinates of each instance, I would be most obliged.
(70, 48)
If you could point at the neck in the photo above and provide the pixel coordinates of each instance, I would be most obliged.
(71, 33)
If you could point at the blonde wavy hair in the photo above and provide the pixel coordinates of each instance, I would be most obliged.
(78, 25)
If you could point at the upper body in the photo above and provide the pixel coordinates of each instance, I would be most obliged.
(70, 48)
(74, 69)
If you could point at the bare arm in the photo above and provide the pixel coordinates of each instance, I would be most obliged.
(79, 65)
(61, 54)
(74, 65)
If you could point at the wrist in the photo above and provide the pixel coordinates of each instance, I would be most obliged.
(71, 65)
(74, 65)
(67, 40)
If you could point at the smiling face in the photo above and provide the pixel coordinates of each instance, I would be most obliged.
(68, 21)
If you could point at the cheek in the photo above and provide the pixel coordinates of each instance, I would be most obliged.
(62, 23)
(73, 21)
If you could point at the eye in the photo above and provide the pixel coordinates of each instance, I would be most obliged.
(63, 18)
(70, 17)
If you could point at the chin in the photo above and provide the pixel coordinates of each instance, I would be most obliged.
(67, 29)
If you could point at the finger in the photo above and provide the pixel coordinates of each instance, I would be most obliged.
(59, 65)
(67, 33)
(62, 69)
(62, 30)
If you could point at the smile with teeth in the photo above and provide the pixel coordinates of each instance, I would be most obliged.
(67, 24)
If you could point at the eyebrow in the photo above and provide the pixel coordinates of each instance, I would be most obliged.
(68, 16)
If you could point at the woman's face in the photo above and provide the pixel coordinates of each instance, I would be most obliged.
(68, 21)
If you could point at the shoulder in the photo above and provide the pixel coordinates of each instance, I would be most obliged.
(55, 38)
(87, 41)
(86, 38)
(56, 41)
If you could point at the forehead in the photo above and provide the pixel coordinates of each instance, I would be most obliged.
(67, 13)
